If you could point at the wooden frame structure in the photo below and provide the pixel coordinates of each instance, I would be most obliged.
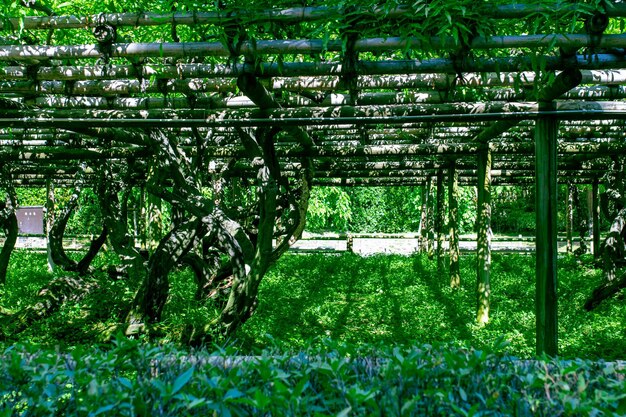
(511, 109)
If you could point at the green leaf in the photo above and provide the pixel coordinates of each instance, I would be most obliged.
(104, 409)
(233, 393)
(344, 412)
(196, 403)
(182, 380)
(463, 394)
(125, 382)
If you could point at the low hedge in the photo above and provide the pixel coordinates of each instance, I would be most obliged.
(135, 379)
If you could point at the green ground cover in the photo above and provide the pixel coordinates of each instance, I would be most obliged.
(131, 378)
(390, 300)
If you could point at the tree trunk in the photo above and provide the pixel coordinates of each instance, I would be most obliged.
(55, 235)
(613, 248)
(9, 225)
(8, 221)
(604, 291)
(153, 221)
(151, 298)
(56, 252)
(84, 265)
(117, 226)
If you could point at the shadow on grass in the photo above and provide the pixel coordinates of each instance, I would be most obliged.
(449, 299)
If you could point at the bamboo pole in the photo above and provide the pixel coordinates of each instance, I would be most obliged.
(54, 154)
(546, 240)
(416, 181)
(453, 210)
(303, 46)
(317, 115)
(438, 74)
(26, 119)
(293, 15)
(484, 236)
(367, 99)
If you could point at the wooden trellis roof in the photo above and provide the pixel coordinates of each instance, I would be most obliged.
(387, 110)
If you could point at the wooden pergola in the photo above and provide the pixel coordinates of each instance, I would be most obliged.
(508, 109)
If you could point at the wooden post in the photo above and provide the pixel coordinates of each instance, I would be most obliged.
(569, 216)
(484, 235)
(422, 231)
(430, 220)
(439, 221)
(50, 201)
(453, 213)
(546, 239)
(595, 221)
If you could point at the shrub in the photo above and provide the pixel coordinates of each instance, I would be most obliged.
(131, 378)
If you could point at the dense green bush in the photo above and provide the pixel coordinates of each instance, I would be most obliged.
(135, 379)
(377, 209)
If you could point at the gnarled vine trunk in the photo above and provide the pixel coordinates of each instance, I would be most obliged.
(613, 249)
(8, 221)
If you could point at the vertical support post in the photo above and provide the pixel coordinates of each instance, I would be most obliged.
(569, 217)
(430, 220)
(483, 244)
(50, 201)
(595, 221)
(453, 214)
(143, 236)
(422, 231)
(439, 220)
(546, 239)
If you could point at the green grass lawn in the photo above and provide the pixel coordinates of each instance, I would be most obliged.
(390, 300)
(403, 300)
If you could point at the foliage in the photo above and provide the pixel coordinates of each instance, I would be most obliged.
(31, 196)
(133, 379)
(380, 209)
(329, 210)
(513, 210)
